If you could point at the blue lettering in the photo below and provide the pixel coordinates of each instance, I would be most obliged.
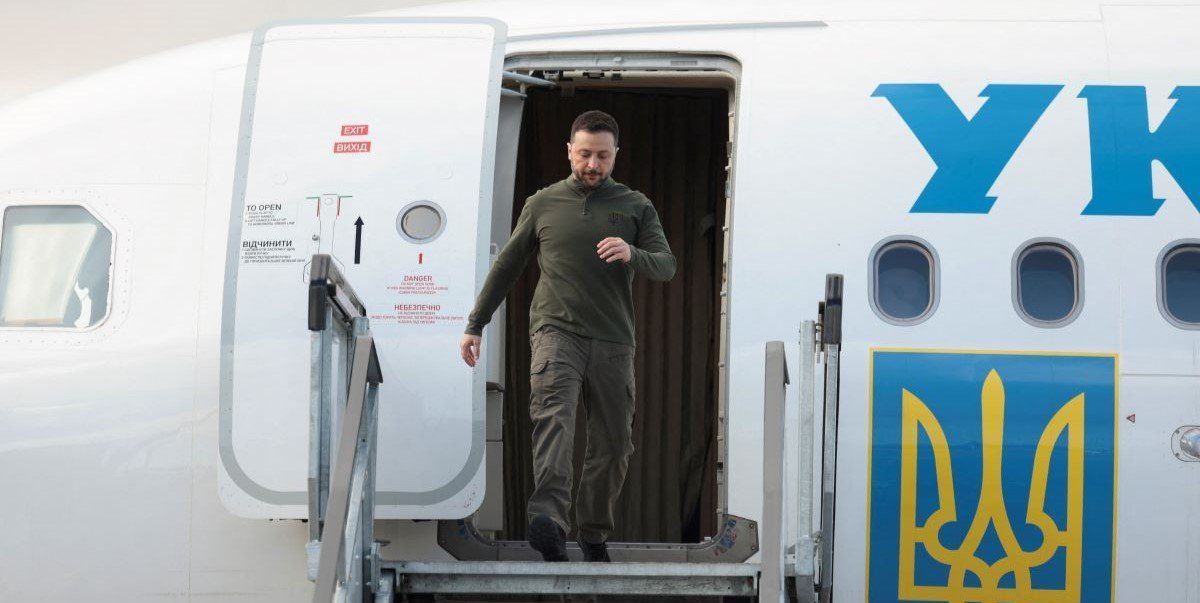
(969, 153)
(1123, 148)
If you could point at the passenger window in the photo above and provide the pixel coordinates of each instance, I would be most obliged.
(903, 281)
(54, 267)
(1047, 287)
(1179, 285)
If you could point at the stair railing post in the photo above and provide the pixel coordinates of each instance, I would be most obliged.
(804, 563)
(347, 556)
(774, 526)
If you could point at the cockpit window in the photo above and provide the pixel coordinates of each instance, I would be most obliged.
(903, 281)
(55, 267)
(1179, 285)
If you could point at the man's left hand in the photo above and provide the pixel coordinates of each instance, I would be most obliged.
(612, 249)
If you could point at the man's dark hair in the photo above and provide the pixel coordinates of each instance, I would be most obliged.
(595, 121)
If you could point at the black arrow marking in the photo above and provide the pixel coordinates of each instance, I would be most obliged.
(358, 224)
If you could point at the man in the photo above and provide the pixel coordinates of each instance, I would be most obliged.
(590, 235)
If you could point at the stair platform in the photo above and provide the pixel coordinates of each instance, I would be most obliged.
(572, 577)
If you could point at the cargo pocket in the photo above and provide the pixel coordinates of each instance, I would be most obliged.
(540, 384)
(539, 379)
(542, 354)
(553, 381)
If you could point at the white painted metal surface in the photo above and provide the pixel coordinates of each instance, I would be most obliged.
(342, 154)
(109, 440)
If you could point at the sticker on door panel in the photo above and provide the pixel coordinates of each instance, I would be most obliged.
(991, 476)
(272, 234)
(271, 251)
(352, 147)
(270, 213)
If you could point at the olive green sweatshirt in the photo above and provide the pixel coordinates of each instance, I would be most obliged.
(578, 291)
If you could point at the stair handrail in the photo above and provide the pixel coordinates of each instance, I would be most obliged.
(342, 504)
(804, 547)
(774, 522)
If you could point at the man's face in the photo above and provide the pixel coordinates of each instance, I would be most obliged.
(592, 155)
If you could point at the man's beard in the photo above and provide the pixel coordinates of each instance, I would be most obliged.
(581, 177)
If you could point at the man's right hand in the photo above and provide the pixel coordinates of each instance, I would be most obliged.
(469, 347)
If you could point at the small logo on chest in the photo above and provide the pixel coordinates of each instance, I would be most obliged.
(615, 218)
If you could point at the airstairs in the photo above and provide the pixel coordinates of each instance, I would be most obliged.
(795, 561)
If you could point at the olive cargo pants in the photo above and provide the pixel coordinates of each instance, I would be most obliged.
(563, 366)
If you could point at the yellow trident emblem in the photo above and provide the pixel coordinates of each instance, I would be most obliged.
(991, 510)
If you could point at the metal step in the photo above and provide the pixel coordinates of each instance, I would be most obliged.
(736, 542)
(542, 578)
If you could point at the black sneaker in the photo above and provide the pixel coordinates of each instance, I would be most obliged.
(594, 552)
(547, 538)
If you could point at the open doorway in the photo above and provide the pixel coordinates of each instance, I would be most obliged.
(674, 147)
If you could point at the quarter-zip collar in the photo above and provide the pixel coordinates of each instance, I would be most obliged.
(583, 191)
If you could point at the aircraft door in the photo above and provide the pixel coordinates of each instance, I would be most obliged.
(1158, 515)
(372, 140)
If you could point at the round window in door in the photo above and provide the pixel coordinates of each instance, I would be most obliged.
(420, 222)
(903, 284)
